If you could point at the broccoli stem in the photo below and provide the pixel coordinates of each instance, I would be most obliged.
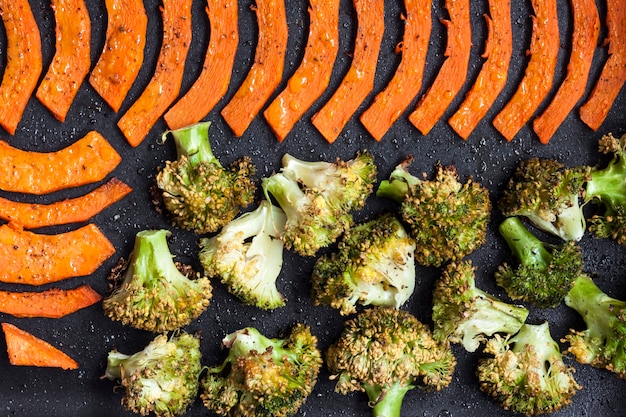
(397, 186)
(591, 303)
(609, 184)
(525, 246)
(151, 256)
(386, 402)
(193, 143)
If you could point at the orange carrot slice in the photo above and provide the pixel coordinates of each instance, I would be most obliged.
(359, 81)
(539, 73)
(311, 78)
(23, 66)
(85, 161)
(24, 349)
(53, 304)
(37, 259)
(451, 77)
(406, 83)
(72, 60)
(266, 71)
(165, 84)
(493, 75)
(212, 83)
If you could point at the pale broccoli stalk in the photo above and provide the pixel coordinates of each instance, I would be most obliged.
(247, 255)
(199, 193)
(373, 264)
(163, 378)
(465, 314)
(154, 294)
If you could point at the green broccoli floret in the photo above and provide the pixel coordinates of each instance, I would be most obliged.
(465, 314)
(319, 197)
(163, 378)
(545, 272)
(247, 255)
(155, 293)
(373, 264)
(263, 377)
(447, 218)
(386, 352)
(198, 192)
(603, 343)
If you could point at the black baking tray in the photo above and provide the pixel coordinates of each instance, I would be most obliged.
(88, 335)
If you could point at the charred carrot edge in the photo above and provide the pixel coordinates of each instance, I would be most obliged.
(359, 81)
(313, 75)
(53, 303)
(72, 58)
(24, 61)
(266, 71)
(613, 75)
(406, 83)
(539, 74)
(24, 349)
(212, 83)
(453, 73)
(165, 84)
(492, 76)
(85, 161)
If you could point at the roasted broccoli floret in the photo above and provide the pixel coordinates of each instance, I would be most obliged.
(155, 293)
(447, 218)
(163, 378)
(385, 352)
(198, 192)
(319, 197)
(247, 255)
(544, 273)
(373, 264)
(603, 343)
(465, 314)
(263, 377)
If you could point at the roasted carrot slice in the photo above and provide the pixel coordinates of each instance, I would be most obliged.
(37, 259)
(53, 304)
(85, 161)
(311, 78)
(24, 349)
(359, 81)
(72, 60)
(212, 83)
(493, 74)
(451, 77)
(406, 83)
(23, 65)
(266, 71)
(165, 84)
(539, 74)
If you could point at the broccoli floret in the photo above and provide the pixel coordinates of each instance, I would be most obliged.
(603, 343)
(155, 293)
(373, 264)
(247, 255)
(545, 272)
(527, 373)
(465, 314)
(386, 352)
(198, 192)
(447, 218)
(163, 378)
(319, 197)
(263, 377)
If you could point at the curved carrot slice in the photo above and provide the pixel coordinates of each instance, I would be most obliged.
(213, 81)
(23, 67)
(311, 78)
(24, 349)
(165, 84)
(539, 73)
(359, 81)
(85, 161)
(406, 83)
(266, 71)
(493, 75)
(72, 59)
(123, 53)
(37, 259)
(451, 77)
(53, 304)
